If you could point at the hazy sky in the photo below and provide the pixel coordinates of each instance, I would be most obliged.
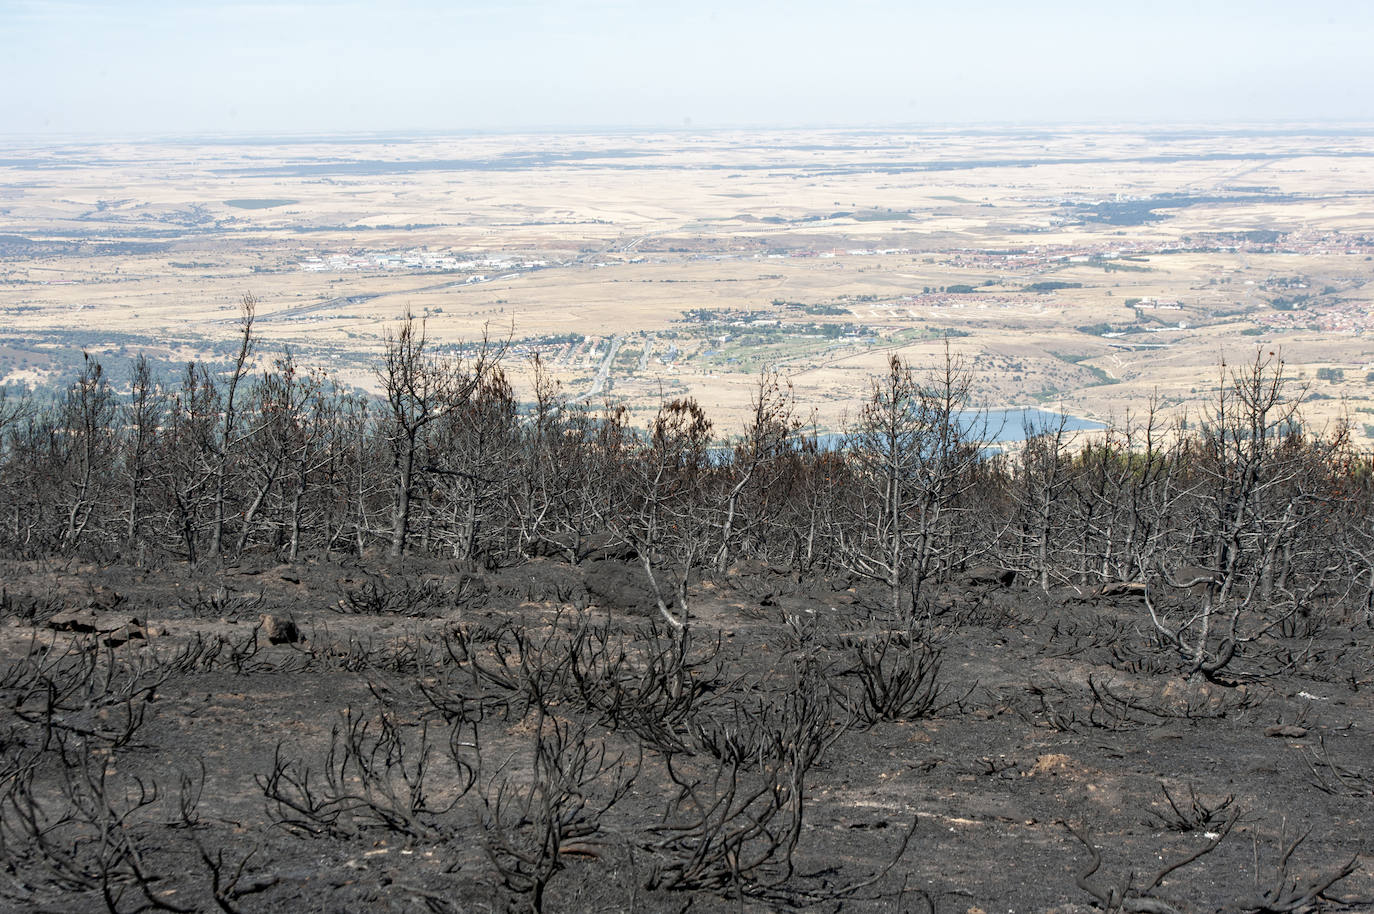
(145, 67)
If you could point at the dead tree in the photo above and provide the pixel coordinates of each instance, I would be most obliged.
(143, 416)
(756, 466)
(542, 478)
(290, 416)
(948, 469)
(666, 518)
(913, 452)
(886, 448)
(1125, 489)
(469, 458)
(186, 456)
(1041, 483)
(361, 472)
(85, 446)
(1253, 513)
(818, 478)
(306, 429)
(420, 388)
(228, 438)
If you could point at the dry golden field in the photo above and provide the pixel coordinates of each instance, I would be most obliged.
(1083, 270)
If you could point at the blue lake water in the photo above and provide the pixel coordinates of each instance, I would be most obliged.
(1012, 424)
(997, 426)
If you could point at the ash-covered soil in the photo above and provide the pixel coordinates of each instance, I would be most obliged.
(431, 738)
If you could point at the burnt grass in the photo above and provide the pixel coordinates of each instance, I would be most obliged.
(435, 738)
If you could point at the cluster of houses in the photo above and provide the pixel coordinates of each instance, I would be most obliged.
(1348, 317)
(1039, 257)
(413, 261)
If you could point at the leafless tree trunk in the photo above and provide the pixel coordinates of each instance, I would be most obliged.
(914, 454)
(668, 526)
(87, 442)
(1248, 462)
(947, 470)
(887, 449)
(187, 455)
(228, 432)
(143, 415)
(420, 389)
(471, 456)
(755, 464)
(1043, 480)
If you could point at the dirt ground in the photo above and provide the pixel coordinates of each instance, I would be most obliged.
(390, 753)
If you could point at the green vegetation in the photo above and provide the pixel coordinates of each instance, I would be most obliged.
(558, 339)
(1053, 286)
(833, 331)
(1100, 377)
(1330, 374)
(719, 315)
(1259, 236)
(825, 310)
(259, 203)
(881, 215)
(1104, 328)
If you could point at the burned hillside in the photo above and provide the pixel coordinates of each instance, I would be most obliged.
(269, 645)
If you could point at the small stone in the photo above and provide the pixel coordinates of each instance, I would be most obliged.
(990, 574)
(1122, 589)
(1286, 731)
(82, 621)
(104, 598)
(279, 630)
(125, 634)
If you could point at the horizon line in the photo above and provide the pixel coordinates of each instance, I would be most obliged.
(1270, 126)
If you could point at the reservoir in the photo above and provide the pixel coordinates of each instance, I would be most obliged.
(1002, 425)
(1012, 424)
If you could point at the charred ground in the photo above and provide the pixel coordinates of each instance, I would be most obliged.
(456, 739)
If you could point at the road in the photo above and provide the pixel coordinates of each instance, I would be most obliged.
(603, 374)
(297, 311)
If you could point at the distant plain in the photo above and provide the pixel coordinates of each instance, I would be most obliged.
(1083, 270)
